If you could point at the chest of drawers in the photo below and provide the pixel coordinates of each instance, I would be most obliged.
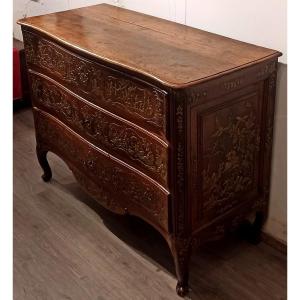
(155, 119)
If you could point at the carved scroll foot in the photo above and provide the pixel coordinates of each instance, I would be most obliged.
(182, 289)
(182, 253)
(42, 158)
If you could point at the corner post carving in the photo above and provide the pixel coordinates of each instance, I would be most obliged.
(181, 243)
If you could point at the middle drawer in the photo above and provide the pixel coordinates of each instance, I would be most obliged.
(113, 134)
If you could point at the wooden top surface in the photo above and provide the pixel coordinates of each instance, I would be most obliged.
(174, 54)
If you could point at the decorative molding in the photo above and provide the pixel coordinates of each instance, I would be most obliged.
(199, 94)
(180, 166)
(180, 147)
(233, 84)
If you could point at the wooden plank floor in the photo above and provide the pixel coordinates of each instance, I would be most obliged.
(67, 247)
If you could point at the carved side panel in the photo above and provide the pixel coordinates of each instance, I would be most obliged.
(101, 85)
(227, 164)
(118, 188)
(116, 137)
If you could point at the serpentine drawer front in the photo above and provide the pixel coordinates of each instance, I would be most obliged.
(155, 119)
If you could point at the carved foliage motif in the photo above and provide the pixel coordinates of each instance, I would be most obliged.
(90, 78)
(180, 157)
(105, 130)
(97, 191)
(115, 181)
(196, 96)
(180, 148)
(231, 158)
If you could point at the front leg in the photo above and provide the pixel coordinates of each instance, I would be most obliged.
(181, 253)
(42, 158)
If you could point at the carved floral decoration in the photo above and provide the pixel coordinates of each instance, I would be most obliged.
(107, 132)
(231, 160)
(114, 181)
(95, 80)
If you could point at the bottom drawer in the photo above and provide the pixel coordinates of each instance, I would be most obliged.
(113, 183)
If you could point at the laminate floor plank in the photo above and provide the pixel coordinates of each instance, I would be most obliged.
(66, 246)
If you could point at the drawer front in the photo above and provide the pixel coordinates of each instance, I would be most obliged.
(125, 96)
(114, 135)
(113, 183)
(225, 153)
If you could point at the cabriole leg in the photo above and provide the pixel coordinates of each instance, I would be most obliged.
(181, 254)
(42, 158)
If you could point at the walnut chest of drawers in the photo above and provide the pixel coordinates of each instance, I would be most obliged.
(155, 119)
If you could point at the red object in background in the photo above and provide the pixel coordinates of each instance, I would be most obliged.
(17, 86)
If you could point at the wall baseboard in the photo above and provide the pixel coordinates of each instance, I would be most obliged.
(274, 243)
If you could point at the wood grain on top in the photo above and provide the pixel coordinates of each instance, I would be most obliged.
(174, 54)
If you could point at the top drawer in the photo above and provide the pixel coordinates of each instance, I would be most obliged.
(128, 97)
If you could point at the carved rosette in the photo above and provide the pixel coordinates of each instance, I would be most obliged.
(92, 79)
(101, 128)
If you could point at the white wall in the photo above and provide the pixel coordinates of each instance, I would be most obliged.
(22, 8)
(258, 22)
(173, 10)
